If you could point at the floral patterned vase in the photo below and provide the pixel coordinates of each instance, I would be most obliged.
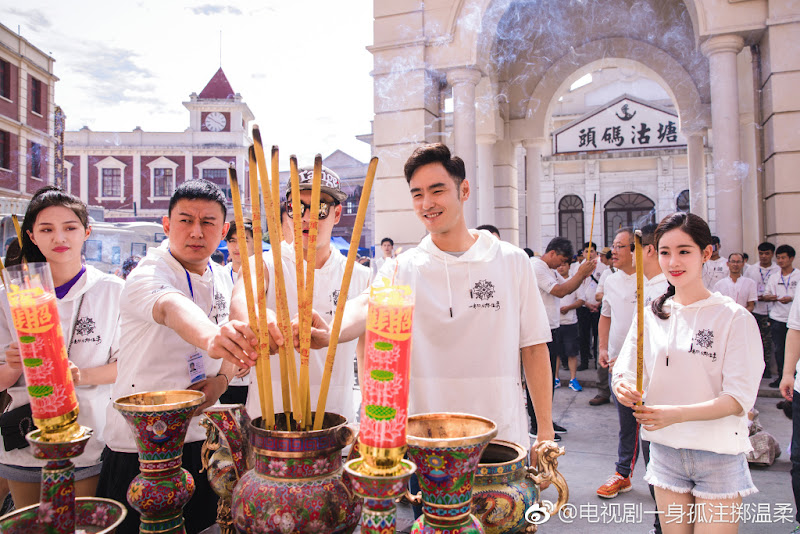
(92, 514)
(297, 484)
(159, 421)
(379, 513)
(447, 448)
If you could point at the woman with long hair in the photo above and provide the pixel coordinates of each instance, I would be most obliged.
(702, 367)
(55, 227)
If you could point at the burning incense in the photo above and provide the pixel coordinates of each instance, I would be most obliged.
(248, 283)
(348, 272)
(591, 230)
(297, 222)
(311, 263)
(637, 237)
(288, 380)
(263, 370)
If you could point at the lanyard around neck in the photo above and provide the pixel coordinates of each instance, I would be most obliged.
(191, 288)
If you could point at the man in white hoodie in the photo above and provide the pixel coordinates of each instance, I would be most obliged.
(477, 310)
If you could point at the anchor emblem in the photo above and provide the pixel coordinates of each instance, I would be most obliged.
(625, 115)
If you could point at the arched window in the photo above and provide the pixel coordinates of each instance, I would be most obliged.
(630, 210)
(570, 220)
(683, 202)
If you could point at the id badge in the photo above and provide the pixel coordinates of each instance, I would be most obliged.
(197, 369)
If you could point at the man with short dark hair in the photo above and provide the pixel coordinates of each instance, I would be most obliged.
(387, 250)
(780, 291)
(716, 268)
(761, 274)
(741, 289)
(477, 312)
(174, 334)
(492, 229)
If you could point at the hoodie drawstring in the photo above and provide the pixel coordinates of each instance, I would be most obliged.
(449, 291)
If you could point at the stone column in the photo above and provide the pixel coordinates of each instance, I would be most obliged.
(721, 51)
(463, 81)
(534, 148)
(698, 190)
(486, 179)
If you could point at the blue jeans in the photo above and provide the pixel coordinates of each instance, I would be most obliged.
(795, 452)
(628, 447)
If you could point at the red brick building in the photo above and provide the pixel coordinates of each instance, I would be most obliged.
(133, 174)
(27, 85)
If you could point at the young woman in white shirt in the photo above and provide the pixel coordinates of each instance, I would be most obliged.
(55, 227)
(702, 367)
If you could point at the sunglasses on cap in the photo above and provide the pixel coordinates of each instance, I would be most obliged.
(324, 208)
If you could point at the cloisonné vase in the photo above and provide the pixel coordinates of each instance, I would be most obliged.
(379, 512)
(446, 447)
(297, 484)
(159, 421)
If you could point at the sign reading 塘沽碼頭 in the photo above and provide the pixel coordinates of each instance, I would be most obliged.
(625, 123)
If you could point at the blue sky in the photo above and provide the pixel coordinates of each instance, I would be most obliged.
(302, 66)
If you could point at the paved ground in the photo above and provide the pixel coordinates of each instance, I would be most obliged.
(591, 445)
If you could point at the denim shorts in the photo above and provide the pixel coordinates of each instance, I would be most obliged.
(704, 474)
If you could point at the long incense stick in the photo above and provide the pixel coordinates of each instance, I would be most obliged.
(637, 237)
(591, 231)
(288, 383)
(311, 265)
(248, 283)
(276, 191)
(348, 272)
(263, 370)
(297, 224)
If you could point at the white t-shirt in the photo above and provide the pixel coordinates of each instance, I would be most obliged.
(234, 276)
(742, 291)
(590, 284)
(794, 324)
(547, 278)
(782, 286)
(327, 284)
(706, 349)
(601, 283)
(467, 360)
(571, 317)
(92, 335)
(153, 357)
(761, 276)
(619, 303)
(654, 288)
(714, 271)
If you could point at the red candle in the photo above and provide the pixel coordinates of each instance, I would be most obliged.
(384, 404)
(44, 355)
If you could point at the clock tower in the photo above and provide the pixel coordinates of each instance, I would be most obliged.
(218, 113)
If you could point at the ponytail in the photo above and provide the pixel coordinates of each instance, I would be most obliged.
(658, 304)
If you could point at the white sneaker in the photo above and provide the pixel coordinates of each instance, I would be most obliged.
(557, 384)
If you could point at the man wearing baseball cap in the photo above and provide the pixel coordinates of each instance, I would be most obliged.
(329, 265)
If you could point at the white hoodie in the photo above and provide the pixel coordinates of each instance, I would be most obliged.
(472, 315)
(93, 340)
(703, 350)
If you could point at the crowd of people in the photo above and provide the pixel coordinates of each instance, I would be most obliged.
(510, 320)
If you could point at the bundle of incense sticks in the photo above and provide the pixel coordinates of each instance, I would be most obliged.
(295, 391)
(637, 237)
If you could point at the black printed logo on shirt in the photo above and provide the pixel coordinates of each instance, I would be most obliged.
(335, 297)
(219, 301)
(84, 326)
(701, 343)
(483, 290)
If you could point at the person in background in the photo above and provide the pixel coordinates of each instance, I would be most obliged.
(761, 274)
(54, 229)
(716, 268)
(741, 289)
(234, 253)
(589, 313)
(218, 257)
(780, 292)
(129, 264)
(286, 225)
(491, 229)
(387, 252)
(567, 346)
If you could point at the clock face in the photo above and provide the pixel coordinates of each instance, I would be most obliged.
(215, 121)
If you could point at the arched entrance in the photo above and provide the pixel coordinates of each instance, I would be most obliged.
(631, 210)
(570, 220)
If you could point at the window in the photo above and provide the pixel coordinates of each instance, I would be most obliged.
(162, 182)
(112, 183)
(683, 202)
(570, 220)
(5, 150)
(36, 96)
(629, 210)
(219, 177)
(36, 160)
(5, 79)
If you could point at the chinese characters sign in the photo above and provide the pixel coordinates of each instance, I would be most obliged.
(624, 124)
